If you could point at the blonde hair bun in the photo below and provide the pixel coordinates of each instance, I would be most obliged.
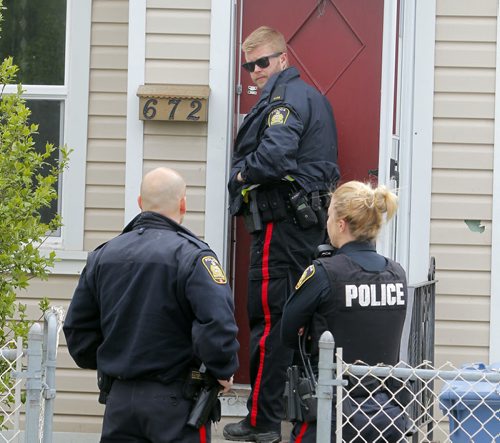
(363, 207)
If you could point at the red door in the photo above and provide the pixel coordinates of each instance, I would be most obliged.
(337, 47)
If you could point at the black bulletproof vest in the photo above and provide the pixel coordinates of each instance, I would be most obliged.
(365, 311)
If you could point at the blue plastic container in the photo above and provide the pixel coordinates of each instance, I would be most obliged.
(473, 408)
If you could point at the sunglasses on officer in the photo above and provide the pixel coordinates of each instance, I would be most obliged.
(262, 62)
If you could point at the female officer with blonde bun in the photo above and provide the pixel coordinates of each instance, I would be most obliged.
(360, 296)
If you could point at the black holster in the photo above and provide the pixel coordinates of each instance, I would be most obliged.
(206, 407)
(301, 403)
(204, 390)
(251, 214)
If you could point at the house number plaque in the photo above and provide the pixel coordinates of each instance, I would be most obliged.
(173, 102)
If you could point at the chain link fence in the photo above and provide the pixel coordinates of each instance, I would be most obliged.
(27, 388)
(11, 356)
(406, 403)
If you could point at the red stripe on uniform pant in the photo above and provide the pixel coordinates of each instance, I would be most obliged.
(267, 320)
(203, 434)
(302, 431)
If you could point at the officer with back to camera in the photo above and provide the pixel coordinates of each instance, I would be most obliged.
(360, 297)
(150, 305)
(284, 165)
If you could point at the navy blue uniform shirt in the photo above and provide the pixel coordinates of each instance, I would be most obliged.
(150, 303)
(290, 132)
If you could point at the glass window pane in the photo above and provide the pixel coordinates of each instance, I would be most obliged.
(47, 114)
(34, 33)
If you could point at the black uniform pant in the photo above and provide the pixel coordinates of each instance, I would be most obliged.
(139, 411)
(279, 255)
(373, 419)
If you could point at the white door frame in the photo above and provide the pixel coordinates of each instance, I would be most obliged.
(220, 126)
(416, 93)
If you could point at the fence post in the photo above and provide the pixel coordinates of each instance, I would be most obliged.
(339, 383)
(33, 383)
(324, 390)
(50, 356)
(17, 392)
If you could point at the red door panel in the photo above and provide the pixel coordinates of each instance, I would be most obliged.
(337, 47)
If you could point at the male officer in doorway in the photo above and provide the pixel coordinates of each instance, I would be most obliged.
(150, 305)
(284, 165)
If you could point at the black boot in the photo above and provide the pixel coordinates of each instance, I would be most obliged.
(243, 431)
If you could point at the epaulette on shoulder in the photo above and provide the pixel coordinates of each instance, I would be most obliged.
(278, 94)
(195, 240)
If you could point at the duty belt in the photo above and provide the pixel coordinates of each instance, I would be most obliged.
(282, 202)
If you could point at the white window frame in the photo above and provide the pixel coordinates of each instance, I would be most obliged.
(75, 96)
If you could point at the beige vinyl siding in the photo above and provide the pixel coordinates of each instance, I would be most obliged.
(462, 176)
(177, 43)
(105, 189)
(181, 146)
(177, 52)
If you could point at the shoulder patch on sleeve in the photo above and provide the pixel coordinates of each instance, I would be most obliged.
(278, 116)
(214, 269)
(306, 275)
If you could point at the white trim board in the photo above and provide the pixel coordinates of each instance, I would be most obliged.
(419, 168)
(495, 223)
(219, 139)
(385, 242)
(76, 121)
(68, 262)
(417, 44)
(135, 126)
